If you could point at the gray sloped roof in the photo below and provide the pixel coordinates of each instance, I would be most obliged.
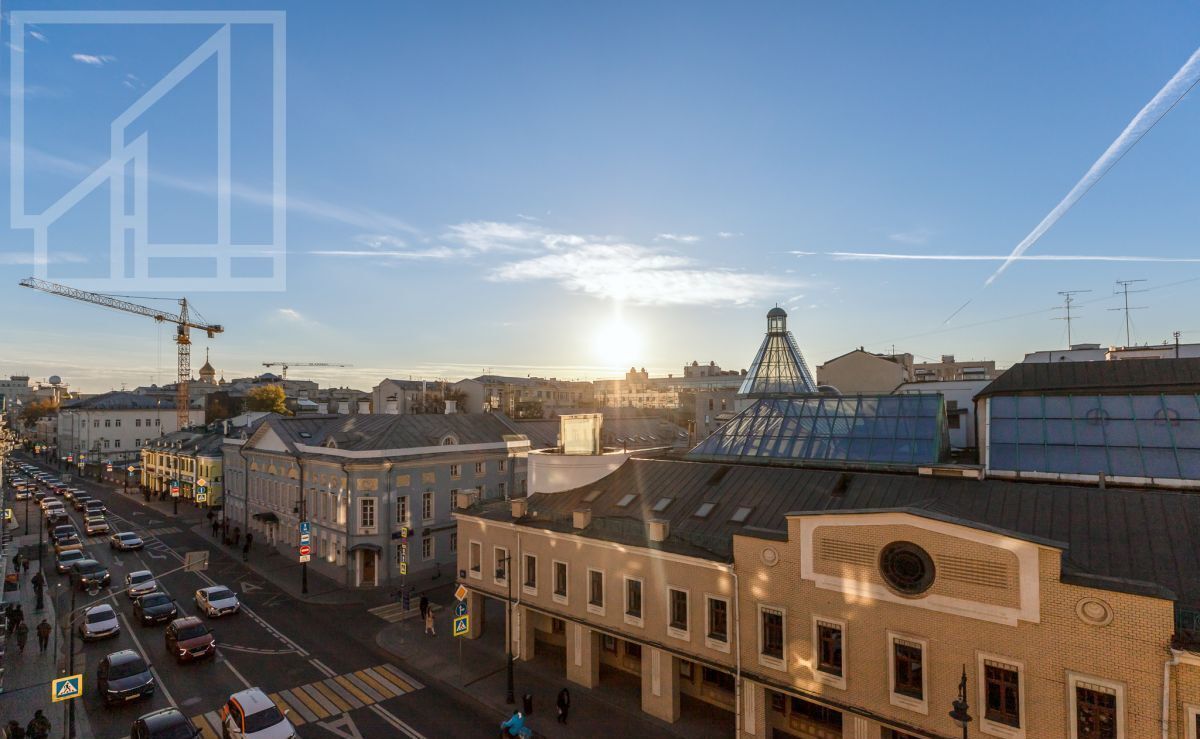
(633, 433)
(1129, 376)
(1116, 539)
(380, 431)
(119, 400)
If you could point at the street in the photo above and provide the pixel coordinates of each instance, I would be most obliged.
(319, 662)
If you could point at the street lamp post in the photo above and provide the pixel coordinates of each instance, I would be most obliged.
(510, 696)
(961, 714)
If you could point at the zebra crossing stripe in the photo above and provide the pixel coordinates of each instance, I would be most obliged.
(362, 697)
(321, 700)
(386, 689)
(383, 676)
(297, 705)
(345, 695)
(403, 676)
(364, 687)
(331, 696)
(283, 707)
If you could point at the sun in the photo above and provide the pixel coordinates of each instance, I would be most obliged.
(617, 344)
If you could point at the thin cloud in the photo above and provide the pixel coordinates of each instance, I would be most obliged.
(93, 60)
(729, 234)
(289, 314)
(916, 236)
(1161, 104)
(39, 36)
(803, 253)
(877, 257)
(678, 238)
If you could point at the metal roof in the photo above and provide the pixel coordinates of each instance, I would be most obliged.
(1142, 541)
(119, 400)
(1129, 376)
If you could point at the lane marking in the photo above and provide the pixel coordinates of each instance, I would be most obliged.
(342, 726)
(330, 695)
(233, 669)
(316, 695)
(142, 650)
(322, 667)
(391, 718)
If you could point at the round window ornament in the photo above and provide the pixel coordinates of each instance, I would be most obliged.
(770, 557)
(1094, 612)
(907, 568)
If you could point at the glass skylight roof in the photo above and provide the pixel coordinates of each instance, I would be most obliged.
(1117, 435)
(854, 430)
(779, 367)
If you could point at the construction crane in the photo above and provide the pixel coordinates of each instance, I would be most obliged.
(285, 365)
(183, 327)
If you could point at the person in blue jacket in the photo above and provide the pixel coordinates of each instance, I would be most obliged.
(515, 726)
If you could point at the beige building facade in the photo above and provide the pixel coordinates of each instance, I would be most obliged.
(863, 372)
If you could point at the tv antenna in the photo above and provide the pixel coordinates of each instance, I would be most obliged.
(1123, 289)
(1068, 299)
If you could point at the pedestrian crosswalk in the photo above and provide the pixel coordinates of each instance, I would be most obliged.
(395, 613)
(330, 697)
(159, 531)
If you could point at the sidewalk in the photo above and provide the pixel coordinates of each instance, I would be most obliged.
(476, 668)
(28, 674)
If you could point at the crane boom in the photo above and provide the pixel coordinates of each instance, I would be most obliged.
(183, 326)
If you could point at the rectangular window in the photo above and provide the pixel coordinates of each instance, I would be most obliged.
(596, 591)
(677, 604)
(116, 443)
(453, 542)
(530, 572)
(560, 581)
(137, 422)
(503, 488)
(609, 643)
(426, 546)
(118, 423)
(1002, 693)
(814, 713)
(632, 650)
(427, 507)
(1095, 711)
(718, 620)
(366, 513)
(479, 468)
(770, 635)
(908, 669)
(475, 559)
(829, 647)
(402, 510)
(501, 556)
(455, 471)
(778, 702)
(158, 422)
(633, 600)
(108, 423)
(502, 465)
(717, 678)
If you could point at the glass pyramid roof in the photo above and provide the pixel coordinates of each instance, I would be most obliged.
(822, 430)
(778, 368)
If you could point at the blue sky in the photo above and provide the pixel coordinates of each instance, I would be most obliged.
(566, 189)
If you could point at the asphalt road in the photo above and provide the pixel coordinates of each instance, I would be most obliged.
(302, 651)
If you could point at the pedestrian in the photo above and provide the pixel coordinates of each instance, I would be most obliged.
(215, 525)
(17, 561)
(246, 549)
(424, 606)
(25, 565)
(22, 635)
(564, 705)
(429, 622)
(39, 727)
(10, 617)
(14, 731)
(514, 726)
(43, 632)
(19, 617)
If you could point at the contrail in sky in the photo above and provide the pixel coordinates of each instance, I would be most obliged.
(1161, 104)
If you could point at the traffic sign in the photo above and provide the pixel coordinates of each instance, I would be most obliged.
(109, 467)
(460, 608)
(404, 568)
(305, 527)
(174, 488)
(403, 532)
(404, 551)
(66, 688)
(461, 625)
(306, 538)
(461, 593)
(201, 496)
(305, 557)
(201, 482)
(305, 550)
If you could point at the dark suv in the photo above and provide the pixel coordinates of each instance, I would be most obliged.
(89, 571)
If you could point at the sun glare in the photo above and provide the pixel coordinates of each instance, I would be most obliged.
(617, 344)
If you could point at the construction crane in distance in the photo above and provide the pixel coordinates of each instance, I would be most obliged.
(285, 365)
(183, 326)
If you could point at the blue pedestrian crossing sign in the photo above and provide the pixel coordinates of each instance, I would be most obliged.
(66, 688)
(305, 527)
(461, 625)
(460, 608)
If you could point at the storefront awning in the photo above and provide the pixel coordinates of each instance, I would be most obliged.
(364, 545)
(266, 517)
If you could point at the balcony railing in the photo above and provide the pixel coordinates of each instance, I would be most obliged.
(1187, 628)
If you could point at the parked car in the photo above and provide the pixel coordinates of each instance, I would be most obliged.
(155, 608)
(93, 525)
(125, 541)
(217, 600)
(165, 723)
(87, 572)
(250, 714)
(123, 677)
(139, 583)
(99, 622)
(67, 559)
(63, 543)
(189, 639)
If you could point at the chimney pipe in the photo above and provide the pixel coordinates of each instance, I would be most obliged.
(364, 406)
(520, 507)
(451, 407)
(582, 518)
(343, 407)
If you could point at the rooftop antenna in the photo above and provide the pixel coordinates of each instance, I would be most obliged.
(1123, 289)
(1068, 299)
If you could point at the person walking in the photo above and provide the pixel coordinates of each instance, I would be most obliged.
(14, 730)
(39, 727)
(215, 526)
(22, 635)
(514, 726)
(10, 618)
(424, 606)
(564, 705)
(25, 565)
(43, 632)
(429, 622)
(39, 587)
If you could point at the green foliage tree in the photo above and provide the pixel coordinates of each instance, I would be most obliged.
(269, 398)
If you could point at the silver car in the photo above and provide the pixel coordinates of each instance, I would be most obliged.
(99, 622)
(140, 583)
(125, 541)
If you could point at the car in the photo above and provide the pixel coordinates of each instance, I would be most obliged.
(123, 677)
(165, 723)
(80, 501)
(22, 493)
(69, 493)
(50, 500)
(93, 525)
(125, 541)
(63, 530)
(94, 507)
(217, 600)
(189, 639)
(88, 572)
(139, 583)
(64, 543)
(250, 714)
(67, 559)
(56, 516)
(155, 608)
(38, 495)
(99, 622)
